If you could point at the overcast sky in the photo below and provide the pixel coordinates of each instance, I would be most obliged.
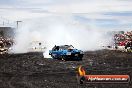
(112, 14)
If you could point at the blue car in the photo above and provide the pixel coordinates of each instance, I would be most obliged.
(66, 52)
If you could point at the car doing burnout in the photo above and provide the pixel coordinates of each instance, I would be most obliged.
(66, 52)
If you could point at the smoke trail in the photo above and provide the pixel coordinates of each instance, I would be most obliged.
(57, 30)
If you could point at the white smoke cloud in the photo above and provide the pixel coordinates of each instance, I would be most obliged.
(58, 30)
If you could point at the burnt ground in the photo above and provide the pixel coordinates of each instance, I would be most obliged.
(33, 71)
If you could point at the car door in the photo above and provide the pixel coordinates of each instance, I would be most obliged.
(55, 52)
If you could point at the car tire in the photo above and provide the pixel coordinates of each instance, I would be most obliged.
(63, 58)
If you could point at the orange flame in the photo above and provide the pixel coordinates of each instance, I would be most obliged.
(81, 71)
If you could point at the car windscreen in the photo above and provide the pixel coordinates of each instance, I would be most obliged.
(66, 47)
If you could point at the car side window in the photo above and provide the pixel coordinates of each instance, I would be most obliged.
(57, 48)
(60, 49)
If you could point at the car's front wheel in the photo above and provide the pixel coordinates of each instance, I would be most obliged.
(53, 56)
(63, 58)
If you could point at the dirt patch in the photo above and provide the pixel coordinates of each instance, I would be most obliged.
(33, 71)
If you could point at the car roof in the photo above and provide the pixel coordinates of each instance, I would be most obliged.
(64, 45)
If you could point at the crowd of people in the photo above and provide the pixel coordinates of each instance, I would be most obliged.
(5, 44)
(123, 39)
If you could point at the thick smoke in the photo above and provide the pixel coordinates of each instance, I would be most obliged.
(58, 30)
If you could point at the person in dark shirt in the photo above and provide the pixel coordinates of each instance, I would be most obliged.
(129, 44)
